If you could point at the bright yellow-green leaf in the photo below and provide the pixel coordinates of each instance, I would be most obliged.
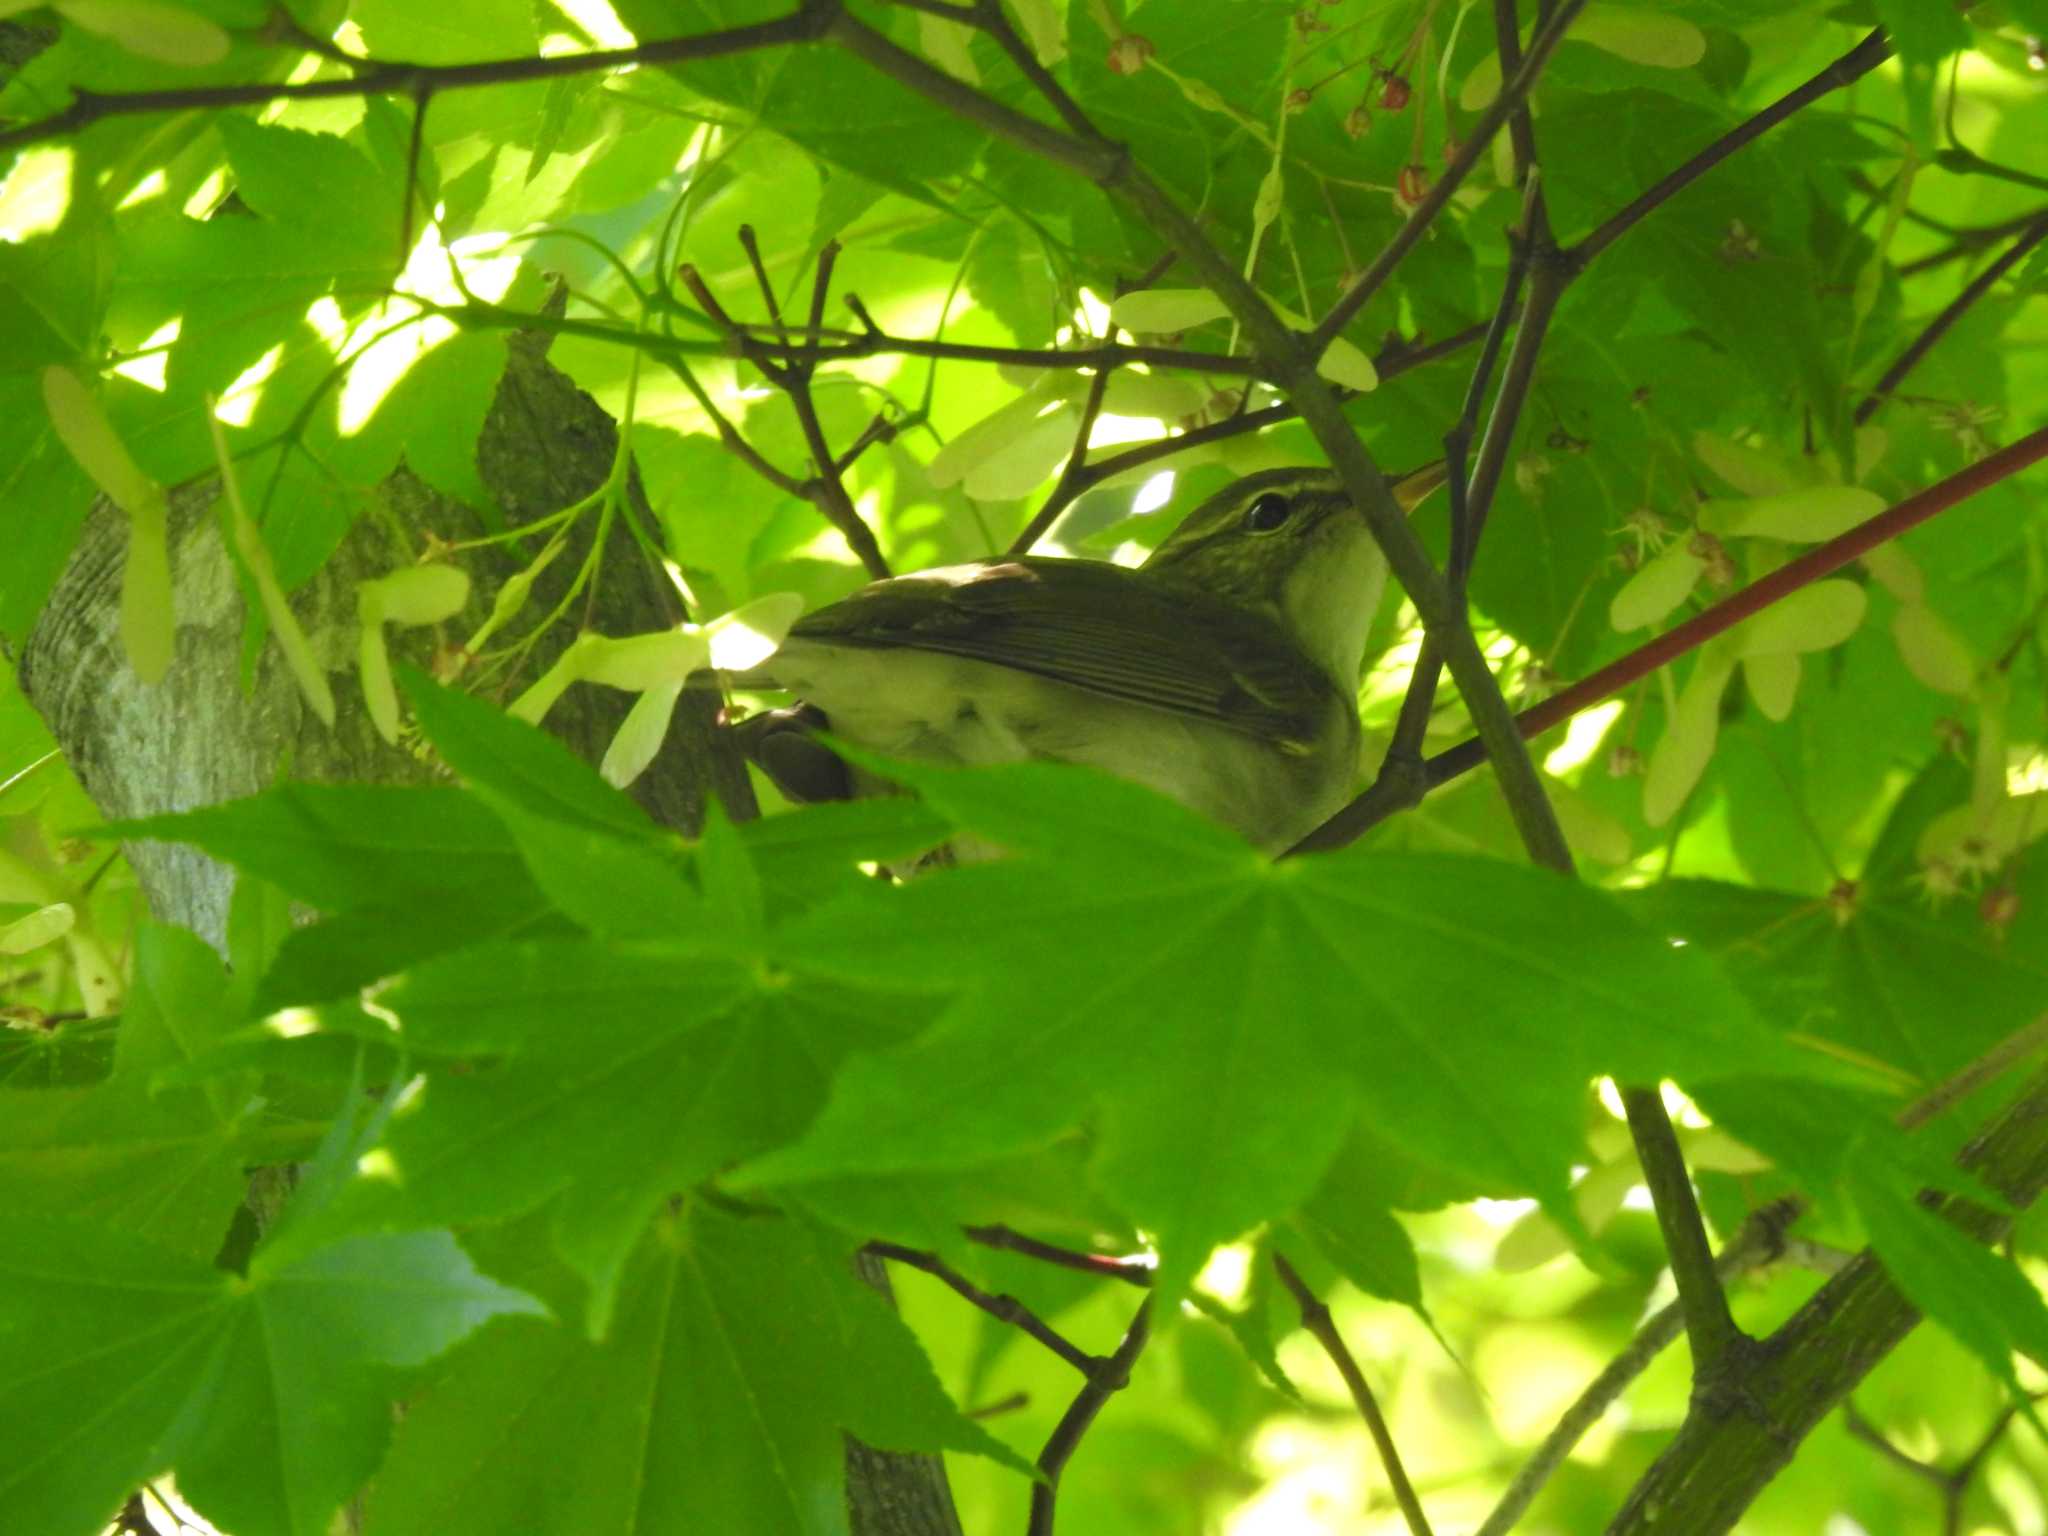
(1345, 363)
(421, 594)
(373, 664)
(148, 615)
(638, 662)
(640, 735)
(1773, 682)
(1664, 581)
(43, 926)
(1809, 516)
(1167, 309)
(995, 432)
(1750, 470)
(1687, 746)
(84, 430)
(749, 634)
(1811, 619)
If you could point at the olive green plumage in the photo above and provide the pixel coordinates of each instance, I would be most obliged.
(1223, 671)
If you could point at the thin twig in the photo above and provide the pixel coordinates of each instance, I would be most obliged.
(1513, 92)
(1950, 313)
(1113, 1376)
(804, 24)
(1759, 1242)
(824, 489)
(1709, 1325)
(1862, 1429)
(1851, 66)
(1073, 474)
(1316, 1318)
(1004, 1309)
(1394, 359)
(1137, 1272)
(2000, 1059)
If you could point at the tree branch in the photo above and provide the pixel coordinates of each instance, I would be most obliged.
(1851, 66)
(1723, 1454)
(1760, 1241)
(410, 80)
(1113, 1376)
(1316, 1318)
(1709, 1326)
(1951, 312)
(1004, 1309)
(1754, 598)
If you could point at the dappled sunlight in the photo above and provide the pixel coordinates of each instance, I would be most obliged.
(36, 192)
(389, 342)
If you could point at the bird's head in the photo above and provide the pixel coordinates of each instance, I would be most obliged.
(1289, 543)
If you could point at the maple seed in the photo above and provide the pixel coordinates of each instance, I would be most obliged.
(1127, 55)
(1358, 121)
(1395, 92)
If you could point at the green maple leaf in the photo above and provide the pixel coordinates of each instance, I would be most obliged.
(743, 1350)
(1227, 1017)
(270, 1394)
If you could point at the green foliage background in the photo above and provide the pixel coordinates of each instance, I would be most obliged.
(588, 1213)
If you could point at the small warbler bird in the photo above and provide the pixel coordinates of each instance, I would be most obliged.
(1222, 672)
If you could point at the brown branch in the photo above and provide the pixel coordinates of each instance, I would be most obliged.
(835, 346)
(1072, 473)
(1966, 241)
(1951, 312)
(374, 78)
(1113, 1376)
(1004, 1309)
(1136, 1272)
(1395, 358)
(1729, 1448)
(823, 489)
(1717, 1344)
(1513, 92)
(1851, 66)
(1760, 1241)
(1316, 1318)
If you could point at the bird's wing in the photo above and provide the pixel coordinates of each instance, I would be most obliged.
(1111, 631)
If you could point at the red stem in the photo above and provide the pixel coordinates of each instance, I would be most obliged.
(1755, 597)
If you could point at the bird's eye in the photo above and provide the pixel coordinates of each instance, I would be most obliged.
(1268, 512)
